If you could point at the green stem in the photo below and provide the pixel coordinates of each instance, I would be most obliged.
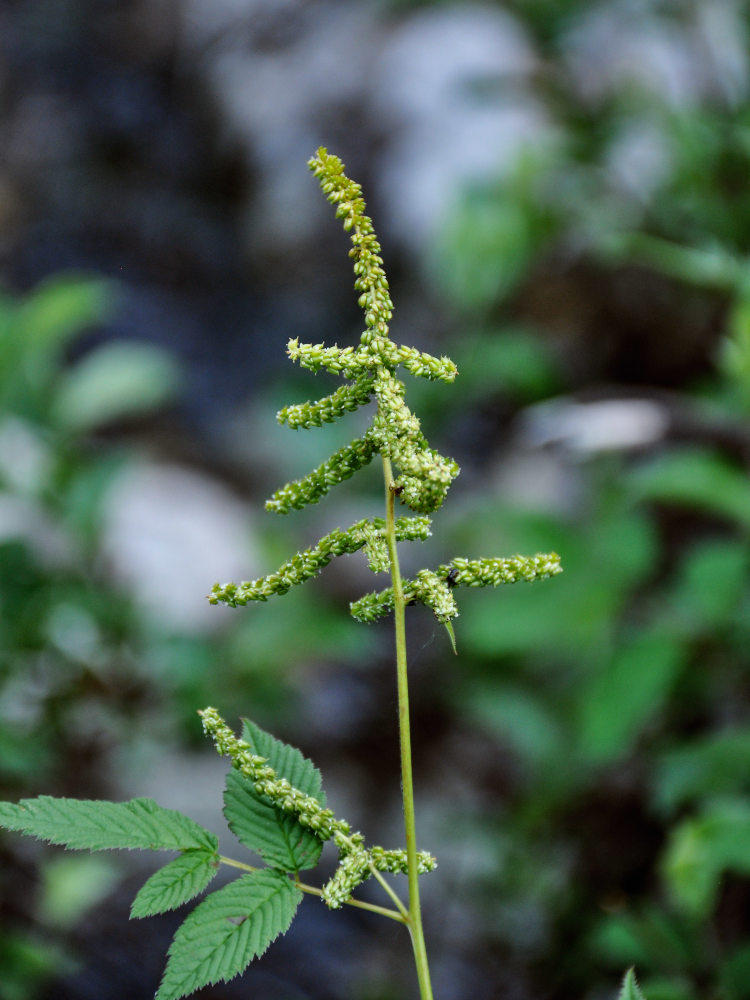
(314, 891)
(407, 784)
(379, 878)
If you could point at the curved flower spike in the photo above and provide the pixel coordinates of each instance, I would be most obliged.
(308, 563)
(357, 865)
(309, 812)
(430, 588)
(368, 264)
(345, 399)
(340, 466)
(492, 572)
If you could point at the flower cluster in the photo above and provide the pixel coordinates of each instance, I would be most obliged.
(368, 264)
(345, 399)
(368, 533)
(347, 460)
(424, 474)
(351, 362)
(435, 588)
(279, 792)
(356, 863)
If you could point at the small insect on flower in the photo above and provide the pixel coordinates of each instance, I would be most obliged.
(452, 577)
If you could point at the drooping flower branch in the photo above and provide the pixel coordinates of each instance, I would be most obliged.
(356, 862)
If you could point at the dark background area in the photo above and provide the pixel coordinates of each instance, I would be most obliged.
(561, 191)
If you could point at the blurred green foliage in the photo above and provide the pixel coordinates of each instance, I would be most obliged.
(619, 698)
(68, 638)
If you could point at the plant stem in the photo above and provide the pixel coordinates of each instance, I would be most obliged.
(313, 891)
(379, 878)
(407, 785)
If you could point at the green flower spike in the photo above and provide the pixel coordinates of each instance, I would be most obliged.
(435, 589)
(278, 791)
(422, 476)
(356, 863)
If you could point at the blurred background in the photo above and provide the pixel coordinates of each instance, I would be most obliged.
(562, 194)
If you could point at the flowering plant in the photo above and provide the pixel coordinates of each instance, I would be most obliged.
(273, 799)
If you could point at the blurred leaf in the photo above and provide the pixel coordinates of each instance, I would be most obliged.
(513, 361)
(663, 988)
(734, 974)
(62, 307)
(734, 356)
(510, 713)
(650, 939)
(115, 381)
(492, 237)
(485, 250)
(701, 848)
(25, 961)
(72, 885)
(713, 578)
(696, 478)
(631, 689)
(707, 267)
(717, 764)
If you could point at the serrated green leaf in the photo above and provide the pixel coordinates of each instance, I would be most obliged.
(451, 635)
(277, 836)
(83, 824)
(175, 883)
(630, 988)
(225, 932)
(287, 761)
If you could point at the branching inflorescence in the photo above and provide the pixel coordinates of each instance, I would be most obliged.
(274, 802)
(423, 476)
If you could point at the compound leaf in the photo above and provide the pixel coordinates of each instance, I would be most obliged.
(225, 932)
(83, 824)
(175, 883)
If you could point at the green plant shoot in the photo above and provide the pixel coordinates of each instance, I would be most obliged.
(274, 803)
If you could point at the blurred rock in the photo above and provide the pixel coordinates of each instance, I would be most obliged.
(170, 533)
(618, 46)
(451, 100)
